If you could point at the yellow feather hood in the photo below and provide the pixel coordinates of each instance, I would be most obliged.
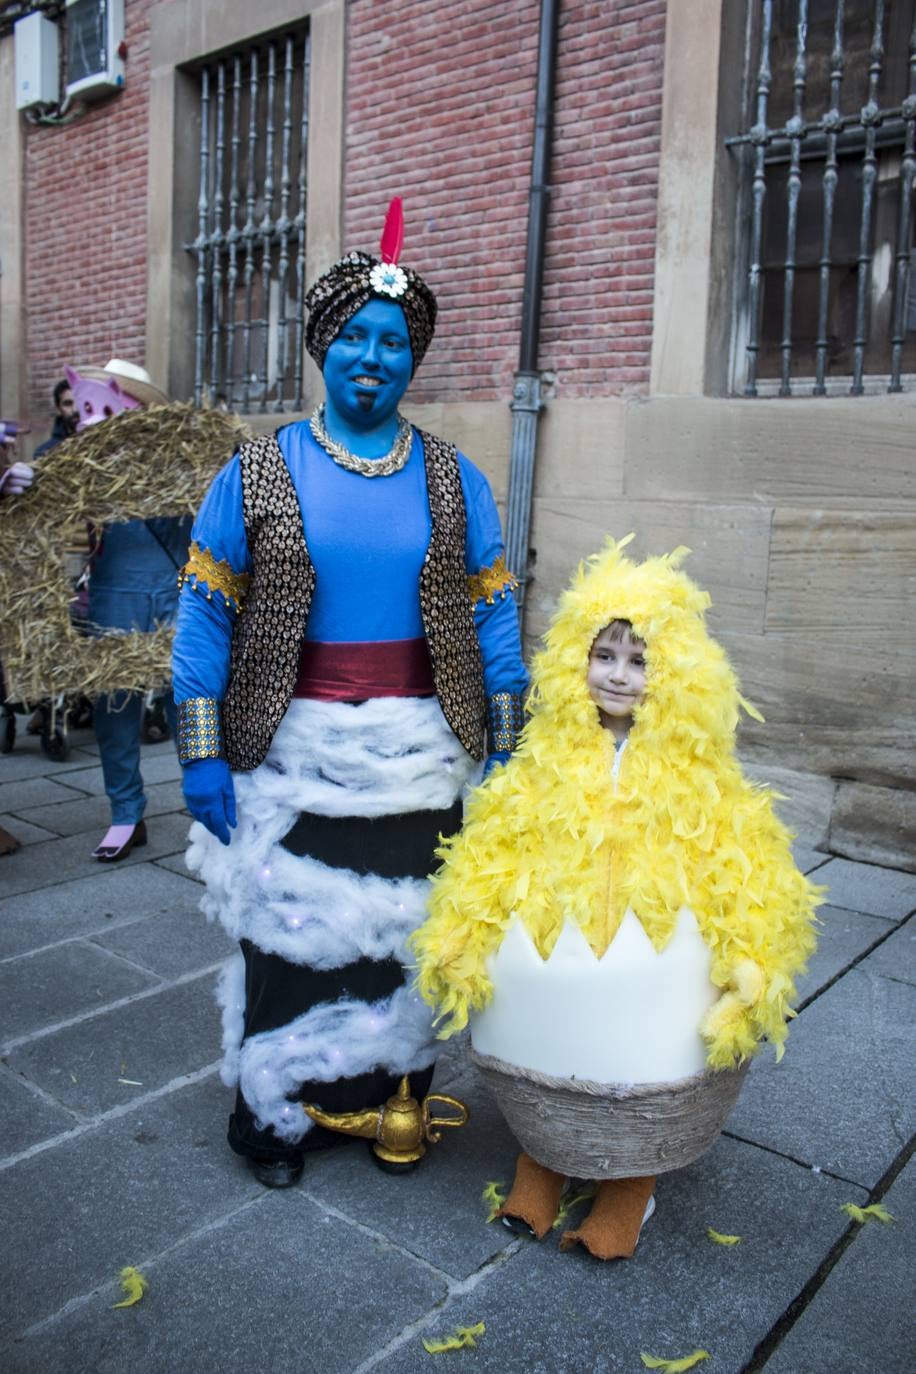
(548, 836)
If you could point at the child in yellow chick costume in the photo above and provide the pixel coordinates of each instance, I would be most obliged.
(623, 815)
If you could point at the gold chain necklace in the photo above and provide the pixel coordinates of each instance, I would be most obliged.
(392, 462)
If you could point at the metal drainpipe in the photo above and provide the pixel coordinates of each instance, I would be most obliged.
(526, 391)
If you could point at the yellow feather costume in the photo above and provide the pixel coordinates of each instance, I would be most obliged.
(547, 836)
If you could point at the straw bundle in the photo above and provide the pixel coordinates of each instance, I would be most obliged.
(138, 465)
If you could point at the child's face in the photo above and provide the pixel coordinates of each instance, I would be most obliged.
(616, 678)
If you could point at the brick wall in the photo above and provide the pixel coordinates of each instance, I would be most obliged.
(441, 110)
(86, 229)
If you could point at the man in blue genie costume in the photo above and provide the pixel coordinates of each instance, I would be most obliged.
(347, 654)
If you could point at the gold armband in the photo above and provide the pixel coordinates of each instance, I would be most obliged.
(199, 733)
(505, 721)
(492, 582)
(216, 575)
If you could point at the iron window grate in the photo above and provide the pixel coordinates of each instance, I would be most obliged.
(827, 301)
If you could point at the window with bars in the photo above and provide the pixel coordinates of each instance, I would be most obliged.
(828, 298)
(251, 217)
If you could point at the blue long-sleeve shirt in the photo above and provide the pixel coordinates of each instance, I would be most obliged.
(367, 539)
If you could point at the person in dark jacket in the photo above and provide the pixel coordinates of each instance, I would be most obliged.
(65, 417)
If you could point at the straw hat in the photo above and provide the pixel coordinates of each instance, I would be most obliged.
(135, 381)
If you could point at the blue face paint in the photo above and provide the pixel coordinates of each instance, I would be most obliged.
(366, 371)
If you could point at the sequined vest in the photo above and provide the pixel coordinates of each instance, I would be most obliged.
(268, 634)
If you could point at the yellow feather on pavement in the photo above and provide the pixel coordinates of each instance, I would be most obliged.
(494, 1195)
(464, 1336)
(876, 1212)
(674, 1366)
(721, 1239)
(133, 1286)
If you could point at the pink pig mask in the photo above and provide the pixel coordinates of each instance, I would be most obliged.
(95, 401)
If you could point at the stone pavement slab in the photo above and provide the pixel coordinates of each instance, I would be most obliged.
(26, 1116)
(25, 832)
(163, 767)
(331, 1296)
(171, 944)
(896, 957)
(864, 1317)
(843, 937)
(149, 1041)
(94, 813)
(29, 762)
(844, 1096)
(40, 989)
(113, 895)
(62, 860)
(175, 864)
(437, 1211)
(808, 859)
(29, 792)
(546, 1312)
(114, 1196)
(865, 887)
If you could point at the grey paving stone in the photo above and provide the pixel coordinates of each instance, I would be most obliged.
(58, 861)
(27, 1117)
(844, 1096)
(437, 1211)
(155, 768)
(171, 944)
(807, 858)
(865, 887)
(547, 1312)
(25, 832)
(175, 864)
(147, 751)
(115, 1196)
(149, 1041)
(331, 1297)
(29, 792)
(896, 957)
(113, 895)
(27, 761)
(94, 813)
(842, 937)
(863, 1317)
(40, 989)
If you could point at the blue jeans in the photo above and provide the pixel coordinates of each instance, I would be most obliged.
(117, 728)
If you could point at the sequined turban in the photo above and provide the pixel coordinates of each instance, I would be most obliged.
(346, 287)
(353, 281)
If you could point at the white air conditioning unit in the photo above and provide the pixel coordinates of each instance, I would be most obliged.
(36, 62)
(95, 46)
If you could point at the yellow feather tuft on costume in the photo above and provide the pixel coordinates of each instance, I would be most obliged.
(674, 1366)
(133, 1286)
(464, 1336)
(547, 837)
(876, 1212)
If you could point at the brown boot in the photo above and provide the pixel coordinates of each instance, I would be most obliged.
(535, 1196)
(612, 1227)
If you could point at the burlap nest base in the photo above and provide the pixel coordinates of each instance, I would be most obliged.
(607, 1130)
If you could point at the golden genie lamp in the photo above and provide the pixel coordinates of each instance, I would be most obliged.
(399, 1128)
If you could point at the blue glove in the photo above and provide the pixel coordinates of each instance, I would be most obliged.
(495, 760)
(210, 795)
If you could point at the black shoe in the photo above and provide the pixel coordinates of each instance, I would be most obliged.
(276, 1173)
(390, 1166)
